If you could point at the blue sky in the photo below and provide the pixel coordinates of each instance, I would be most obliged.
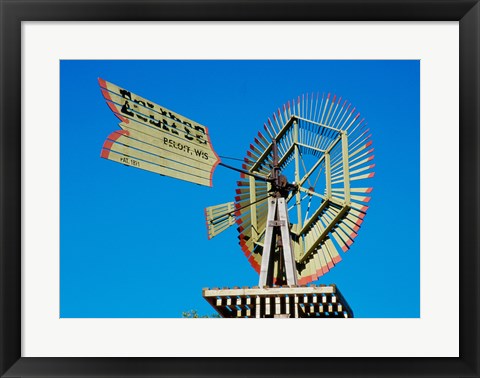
(133, 243)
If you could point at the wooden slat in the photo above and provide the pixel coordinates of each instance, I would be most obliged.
(354, 190)
(219, 218)
(176, 142)
(363, 161)
(330, 249)
(360, 149)
(362, 177)
(363, 169)
(119, 158)
(170, 165)
(156, 146)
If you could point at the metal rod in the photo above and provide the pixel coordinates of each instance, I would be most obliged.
(230, 158)
(240, 208)
(263, 178)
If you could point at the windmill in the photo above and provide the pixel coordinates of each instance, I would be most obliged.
(300, 199)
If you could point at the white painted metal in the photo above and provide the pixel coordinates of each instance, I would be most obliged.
(277, 217)
(267, 247)
(288, 255)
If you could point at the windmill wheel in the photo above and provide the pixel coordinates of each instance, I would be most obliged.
(325, 149)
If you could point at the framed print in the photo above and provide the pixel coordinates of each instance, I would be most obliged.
(102, 261)
(83, 288)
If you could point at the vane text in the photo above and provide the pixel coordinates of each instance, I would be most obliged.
(185, 148)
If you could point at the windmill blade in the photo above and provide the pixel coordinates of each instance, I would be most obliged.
(157, 139)
(219, 218)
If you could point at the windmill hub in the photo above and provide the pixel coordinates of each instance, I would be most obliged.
(281, 187)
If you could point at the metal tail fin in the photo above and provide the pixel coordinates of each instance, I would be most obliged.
(219, 218)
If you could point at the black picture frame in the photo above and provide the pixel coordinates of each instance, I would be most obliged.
(467, 12)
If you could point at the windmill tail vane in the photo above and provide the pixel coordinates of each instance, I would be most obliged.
(157, 139)
(221, 217)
